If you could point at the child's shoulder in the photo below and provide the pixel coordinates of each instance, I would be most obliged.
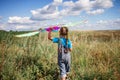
(66, 39)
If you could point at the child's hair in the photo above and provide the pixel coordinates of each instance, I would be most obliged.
(64, 33)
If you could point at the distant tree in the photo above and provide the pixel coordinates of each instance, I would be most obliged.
(11, 31)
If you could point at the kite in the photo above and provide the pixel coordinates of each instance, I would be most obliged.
(27, 34)
(52, 28)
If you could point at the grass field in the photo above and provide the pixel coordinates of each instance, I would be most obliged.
(95, 56)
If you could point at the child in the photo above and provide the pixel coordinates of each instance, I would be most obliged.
(64, 49)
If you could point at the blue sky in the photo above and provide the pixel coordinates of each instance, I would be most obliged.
(34, 14)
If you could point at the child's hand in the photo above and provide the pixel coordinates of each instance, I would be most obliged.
(51, 28)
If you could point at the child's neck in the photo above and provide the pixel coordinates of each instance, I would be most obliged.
(62, 36)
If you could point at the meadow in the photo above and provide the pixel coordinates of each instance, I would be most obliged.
(95, 56)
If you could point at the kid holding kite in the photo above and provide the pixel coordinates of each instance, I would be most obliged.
(64, 49)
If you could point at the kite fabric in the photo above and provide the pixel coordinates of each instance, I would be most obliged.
(27, 34)
(54, 29)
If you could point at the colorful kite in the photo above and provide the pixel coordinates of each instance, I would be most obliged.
(27, 34)
(52, 28)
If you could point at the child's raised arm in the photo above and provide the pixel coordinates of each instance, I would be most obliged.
(49, 35)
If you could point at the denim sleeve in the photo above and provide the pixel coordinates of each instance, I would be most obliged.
(69, 44)
(55, 40)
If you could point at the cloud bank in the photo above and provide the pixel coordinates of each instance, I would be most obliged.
(52, 11)
(100, 25)
(59, 9)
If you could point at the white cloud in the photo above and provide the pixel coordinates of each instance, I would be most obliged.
(18, 27)
(94, 12)
(101, 25)
(83, 4)
(23, 27)
(20, 20)
(110, 24)
(58, 1)
(101, 22)
(75, 8)
(102, 3)
(52, 11)
(6, 26)
(1, 17)
(116, 21)
(1, 26)
(69, 4)
(48, 12)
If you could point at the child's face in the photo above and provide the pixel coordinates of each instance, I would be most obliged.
(63, 31)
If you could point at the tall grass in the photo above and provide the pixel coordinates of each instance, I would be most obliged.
(95, 56)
